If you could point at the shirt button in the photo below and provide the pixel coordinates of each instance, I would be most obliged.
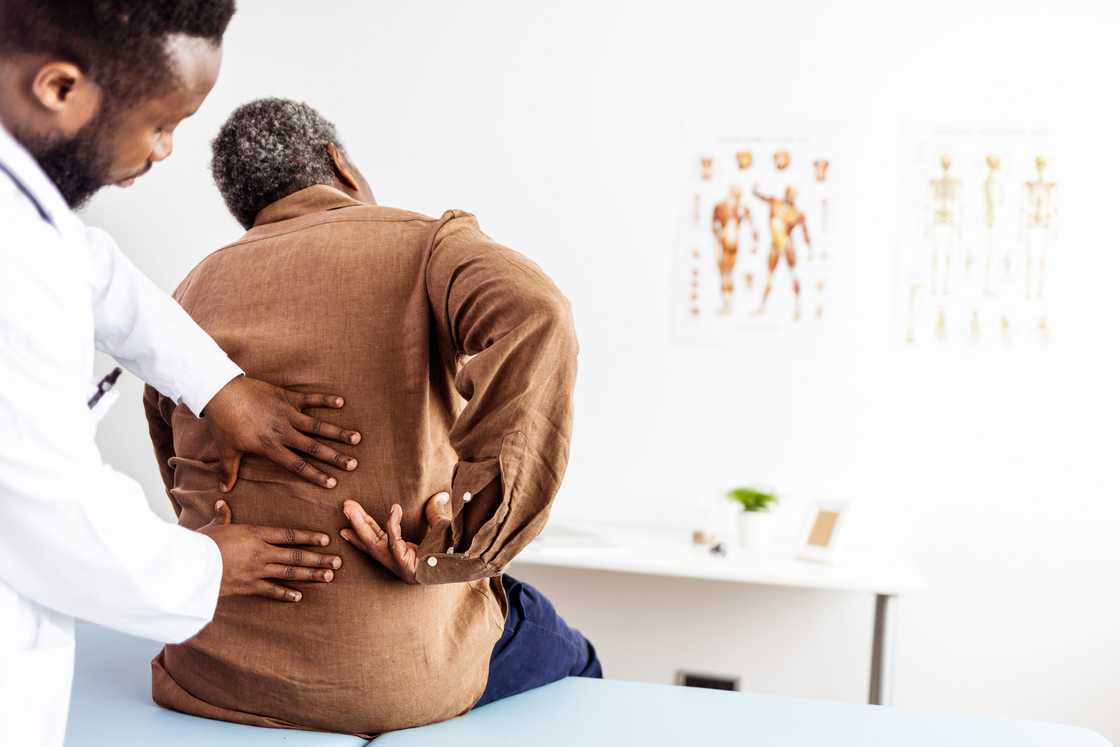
(432, 561)
(467, 497)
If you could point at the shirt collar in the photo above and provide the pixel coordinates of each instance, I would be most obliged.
(31, 179)
(312, 199)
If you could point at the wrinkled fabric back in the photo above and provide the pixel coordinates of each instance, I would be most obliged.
(332, 301)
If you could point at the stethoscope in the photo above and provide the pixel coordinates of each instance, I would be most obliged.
(27, 193)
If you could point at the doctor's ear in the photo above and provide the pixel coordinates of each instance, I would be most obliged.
(66, 94)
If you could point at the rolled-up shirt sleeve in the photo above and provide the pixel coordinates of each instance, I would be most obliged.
(150, 334)
(509, 330)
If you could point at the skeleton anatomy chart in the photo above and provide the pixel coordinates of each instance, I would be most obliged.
(754, 247)
(978, 235)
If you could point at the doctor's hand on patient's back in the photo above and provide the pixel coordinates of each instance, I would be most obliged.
(251, 416)
(254, 557)
(388, 547)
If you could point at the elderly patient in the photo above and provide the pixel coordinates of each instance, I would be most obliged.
(402, 314)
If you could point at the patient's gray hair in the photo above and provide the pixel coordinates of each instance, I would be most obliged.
(268, 149)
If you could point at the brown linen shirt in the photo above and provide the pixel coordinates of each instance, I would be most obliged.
(396, 312)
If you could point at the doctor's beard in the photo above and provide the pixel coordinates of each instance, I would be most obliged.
(78, 166)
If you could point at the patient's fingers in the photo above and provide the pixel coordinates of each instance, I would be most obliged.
(280, 593)
(370, 535)
(321, 451)
(367, 529)
(305, 558)
(394, 525)
(298, 573)
(379, 552)
(403, 553)
(355, 540)
(278, 536)
(322, 429)
(438, 509)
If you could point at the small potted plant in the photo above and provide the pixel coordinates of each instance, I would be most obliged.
(755, 520)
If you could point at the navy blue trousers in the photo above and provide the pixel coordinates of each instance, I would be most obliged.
(537, 647)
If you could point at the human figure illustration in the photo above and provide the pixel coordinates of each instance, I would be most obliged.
(1038, 225)
(707, 168)
(944, 228)
(993, 203)
(785, 217)
(820, 175)
(728, 217)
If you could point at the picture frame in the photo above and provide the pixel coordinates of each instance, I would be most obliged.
(821, 531)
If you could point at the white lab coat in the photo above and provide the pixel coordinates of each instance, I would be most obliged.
(77, 539)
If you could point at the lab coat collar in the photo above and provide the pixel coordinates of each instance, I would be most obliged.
(312, 199)
(30, 179)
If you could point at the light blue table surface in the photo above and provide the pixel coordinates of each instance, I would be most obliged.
(112, 706)
(589, 712)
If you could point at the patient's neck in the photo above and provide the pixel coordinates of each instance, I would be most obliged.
(361, 194)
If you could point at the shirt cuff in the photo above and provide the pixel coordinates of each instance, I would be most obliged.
(204, 384)
(445, 568)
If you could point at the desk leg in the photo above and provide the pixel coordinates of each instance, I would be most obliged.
(882, 645)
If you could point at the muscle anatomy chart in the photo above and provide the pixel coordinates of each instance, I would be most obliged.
(754, 246)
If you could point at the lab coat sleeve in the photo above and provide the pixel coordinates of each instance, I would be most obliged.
(150, 334)
(76, 536)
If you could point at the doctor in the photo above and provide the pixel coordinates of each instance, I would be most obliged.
(90, 94)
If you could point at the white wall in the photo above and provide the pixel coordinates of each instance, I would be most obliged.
(559, 125)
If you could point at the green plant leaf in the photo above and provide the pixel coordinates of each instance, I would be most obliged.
(752, 499)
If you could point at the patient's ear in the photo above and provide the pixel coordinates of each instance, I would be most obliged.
(348, 177)
(343, 171)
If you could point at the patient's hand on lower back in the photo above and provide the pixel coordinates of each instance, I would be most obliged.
(387, 547)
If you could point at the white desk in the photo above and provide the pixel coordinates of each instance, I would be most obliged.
(667, 552)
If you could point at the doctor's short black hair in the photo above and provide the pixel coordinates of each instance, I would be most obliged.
(120, 44)
(269, 149)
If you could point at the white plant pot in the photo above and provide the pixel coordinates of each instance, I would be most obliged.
(755, 528)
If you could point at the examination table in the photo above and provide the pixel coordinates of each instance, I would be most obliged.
(112, 706)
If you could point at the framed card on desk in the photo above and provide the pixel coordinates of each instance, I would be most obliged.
(820, 534)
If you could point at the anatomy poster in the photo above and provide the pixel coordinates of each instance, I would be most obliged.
(978, 235)
(754, 246)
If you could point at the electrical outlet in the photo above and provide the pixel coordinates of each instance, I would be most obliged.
(710, 681)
